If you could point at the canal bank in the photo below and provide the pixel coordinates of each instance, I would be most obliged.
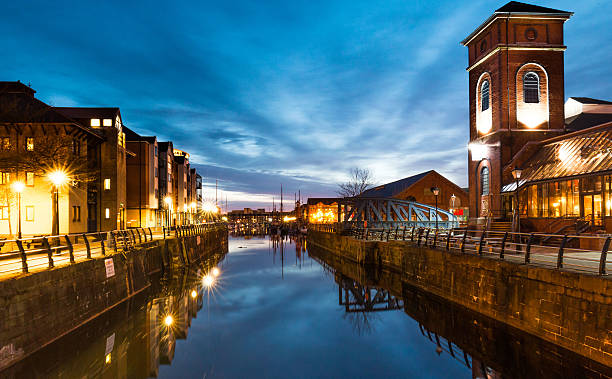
(568, 309)
(37, 309)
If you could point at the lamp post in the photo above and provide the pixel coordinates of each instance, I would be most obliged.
(58, 178)
(436, 192)
(516, 173)
(18, 187)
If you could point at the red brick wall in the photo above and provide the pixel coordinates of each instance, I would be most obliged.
(421, 191)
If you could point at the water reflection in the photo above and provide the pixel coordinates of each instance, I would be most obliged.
(488, 348)
(133, 339)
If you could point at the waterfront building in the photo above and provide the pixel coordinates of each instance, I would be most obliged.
(165, 179)
(142, 180)
(36, 140)
(418, 188)
(106, 195)
(522, 133)
(323, 210)
(181, 186)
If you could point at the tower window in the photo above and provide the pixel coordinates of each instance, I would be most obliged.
(484, 180)
(531, 88)
(484, 95)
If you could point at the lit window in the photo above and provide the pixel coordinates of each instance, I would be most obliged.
(30, 179)
(29, 216)
(76, 213)
(107, 122)
(106, 184)
(531, 88)
(484, 95)
(5, 178)
(4, 213)
(95, 122)
(484, 181)
(30, 144)
(107, 213)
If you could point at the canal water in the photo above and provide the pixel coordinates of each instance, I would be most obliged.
(272, 309)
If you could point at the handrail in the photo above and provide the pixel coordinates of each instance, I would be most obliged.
(583, 253)
(45, 251)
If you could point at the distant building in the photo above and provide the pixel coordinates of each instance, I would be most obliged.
(165, 179)
(323, 210)
(418, 188)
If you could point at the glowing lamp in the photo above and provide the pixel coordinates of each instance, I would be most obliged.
(18, 186)
(168, 320)
(215, 271)
(208, 281)
(435, 191)
(107, 359)
(194, 294)
(168, 200)
(58, 178)
(516, 173)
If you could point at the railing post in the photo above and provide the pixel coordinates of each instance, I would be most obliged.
(435, 238)
(24, 258)
(150, 234)
(503, 246)
(87, 245)
(412, 234)
(480, 243)
(70, 248)
(133, 239)
(604, 256)
(560, 256)
(139, 237)
(144, 233)
(388, 234)
(463, 241)
(102, 249)
(448, 234)
(115, 240)
(49, 253)
(528, 248)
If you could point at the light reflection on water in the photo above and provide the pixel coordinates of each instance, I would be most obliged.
(271, 309)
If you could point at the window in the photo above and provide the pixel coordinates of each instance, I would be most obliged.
(76, 147)
(76, 213)
(107, 213)
(95, 122)
(484, 95)
(106, 184)
(6, 143)
(29, 216)
(531, 88)
(30, 144)
(155, 170)
(5, 178)
(155, 150)
(4, 212)
(107, 122)
(484, 181)
(30, 179)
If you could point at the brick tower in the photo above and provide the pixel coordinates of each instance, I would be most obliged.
(516, 95)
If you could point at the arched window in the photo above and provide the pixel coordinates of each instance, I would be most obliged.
(484, 95)
(484, 180)
(531, 88)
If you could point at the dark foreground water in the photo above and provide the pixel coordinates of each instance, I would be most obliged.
(276, 311)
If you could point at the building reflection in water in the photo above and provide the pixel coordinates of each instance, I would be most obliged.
(489, 349)
(133, 339)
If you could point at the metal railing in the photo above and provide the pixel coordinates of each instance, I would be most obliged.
(40, 252)
(583, 253)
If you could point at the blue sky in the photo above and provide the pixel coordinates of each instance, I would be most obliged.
(269, 92)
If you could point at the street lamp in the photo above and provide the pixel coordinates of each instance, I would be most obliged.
(58, 178)
(436, 192)
(516, 173)
(18, 187)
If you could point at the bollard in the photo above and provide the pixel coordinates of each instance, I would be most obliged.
(480, 243)
(448, 234)
(463, 241)
(604, 255)
(70, 248)
(102, 249)
(87, 245)
(24, 258)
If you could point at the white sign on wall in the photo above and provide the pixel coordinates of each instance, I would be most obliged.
(110, 267)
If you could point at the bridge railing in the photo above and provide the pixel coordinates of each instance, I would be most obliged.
(41, 252)
(583, 253)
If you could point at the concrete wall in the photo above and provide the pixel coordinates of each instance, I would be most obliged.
(38, 308)
(568, 309)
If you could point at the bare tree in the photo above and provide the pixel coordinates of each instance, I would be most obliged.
(360, 179)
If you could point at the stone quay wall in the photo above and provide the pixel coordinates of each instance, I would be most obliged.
(569, 309)
(38, 308)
